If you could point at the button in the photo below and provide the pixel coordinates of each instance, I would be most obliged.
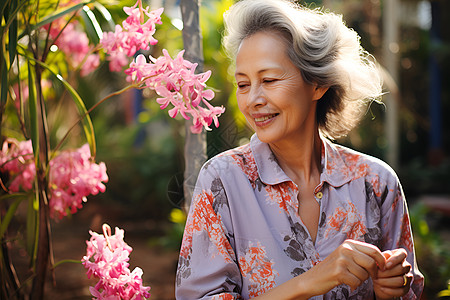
(319, 195)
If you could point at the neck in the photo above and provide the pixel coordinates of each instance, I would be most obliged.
(300, 157)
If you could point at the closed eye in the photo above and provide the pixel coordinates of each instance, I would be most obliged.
(269, 80)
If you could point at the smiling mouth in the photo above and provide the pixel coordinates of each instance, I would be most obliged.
(265, 118)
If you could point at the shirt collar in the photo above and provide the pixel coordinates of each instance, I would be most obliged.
(336, 172)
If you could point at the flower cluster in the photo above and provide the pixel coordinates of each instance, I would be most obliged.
(107, 259)
(74, 43)
(177, 84)
(172, 79)
(133, 35)
(72, 176)
(17, 160)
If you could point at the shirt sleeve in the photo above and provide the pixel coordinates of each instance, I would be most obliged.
(207, 267)
(396, 229)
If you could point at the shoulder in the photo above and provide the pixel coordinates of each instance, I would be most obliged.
(240, 158)
(363, 165)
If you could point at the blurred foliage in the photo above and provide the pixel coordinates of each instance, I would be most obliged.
(173, 236)
(432, 250)
(421, 178)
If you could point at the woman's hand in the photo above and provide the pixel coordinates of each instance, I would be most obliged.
(395, 280)
(351, 263)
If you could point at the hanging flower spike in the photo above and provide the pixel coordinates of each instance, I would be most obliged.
(107, 259)
(132, 36)
(175, 81)
(73, 177)
(16, 158)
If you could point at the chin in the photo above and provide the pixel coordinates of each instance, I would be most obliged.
(267, 138)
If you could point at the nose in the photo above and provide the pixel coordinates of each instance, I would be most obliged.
(256, 96)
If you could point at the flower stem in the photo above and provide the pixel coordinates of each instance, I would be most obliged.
(88, 112)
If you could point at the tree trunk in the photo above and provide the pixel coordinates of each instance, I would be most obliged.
(195, 144)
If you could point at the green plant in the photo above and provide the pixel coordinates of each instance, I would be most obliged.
(433, 253)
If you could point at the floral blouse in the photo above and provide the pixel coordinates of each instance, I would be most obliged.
(244, 235)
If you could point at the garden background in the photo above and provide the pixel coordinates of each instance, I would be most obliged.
(142, 146)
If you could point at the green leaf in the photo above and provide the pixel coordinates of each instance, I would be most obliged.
(65, 261)
(86, 119)
(444, 293)
(32, 106)
(11, 211)
(93, 29)
(106, 15)
(4, 88)
(56, 16)
(3, 7)
(12, 34)
(84, 115)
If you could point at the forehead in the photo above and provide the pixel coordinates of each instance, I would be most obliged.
(262, 50)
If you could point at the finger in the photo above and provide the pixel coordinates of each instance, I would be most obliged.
(358, 271)
(387, 254)
(394, 282)
(371, 251)
(397, 270)
(364, 266)
(394, 287)
(352, 280)
(397, 256)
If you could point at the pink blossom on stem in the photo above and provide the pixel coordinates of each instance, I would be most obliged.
(73, 177)
(107, 259)
(16, 158)
(74, 44)
(138, 69)
(133, 35)
(175, 81)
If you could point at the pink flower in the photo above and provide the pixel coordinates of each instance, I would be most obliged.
(175, 81)
(92, 62)
(117, 60)
(138, 70)
(107, 259)
(133, 35)
(74, 44)
(16, 158)
(73, 177)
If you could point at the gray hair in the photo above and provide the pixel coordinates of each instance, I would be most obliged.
(325, 50)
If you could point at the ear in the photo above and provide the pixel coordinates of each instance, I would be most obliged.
(319, 91)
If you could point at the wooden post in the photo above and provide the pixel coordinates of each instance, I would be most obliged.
(195, 144)
(390, 58)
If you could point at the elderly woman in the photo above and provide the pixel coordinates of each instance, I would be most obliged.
(292, 215)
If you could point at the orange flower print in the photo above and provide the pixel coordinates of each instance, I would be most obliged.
(397, 200)
(257, 268)
(406, 240)
(346, 220)
(204, 218)
(281, 195)
(243, 157)
(223, 297)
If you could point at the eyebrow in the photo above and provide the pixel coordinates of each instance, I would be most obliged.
(259, 72)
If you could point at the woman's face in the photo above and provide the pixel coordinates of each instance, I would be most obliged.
(271, 92)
